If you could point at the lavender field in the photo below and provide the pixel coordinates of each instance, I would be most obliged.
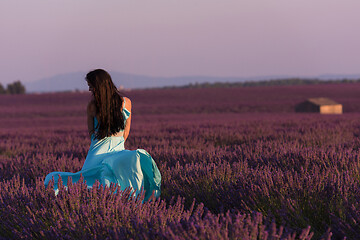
(236, 163)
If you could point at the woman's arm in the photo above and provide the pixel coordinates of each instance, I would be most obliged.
(91, 112)
(128, 121)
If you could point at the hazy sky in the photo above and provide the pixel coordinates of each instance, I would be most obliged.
(41, 38)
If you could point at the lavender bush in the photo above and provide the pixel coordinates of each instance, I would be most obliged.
(235, 163)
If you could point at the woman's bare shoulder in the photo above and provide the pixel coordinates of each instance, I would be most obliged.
(127, 103)
(91, 108)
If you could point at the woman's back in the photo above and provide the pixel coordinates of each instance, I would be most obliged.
(93, 122)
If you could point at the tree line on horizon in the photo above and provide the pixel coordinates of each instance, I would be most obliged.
(13, 88)
(274, 82)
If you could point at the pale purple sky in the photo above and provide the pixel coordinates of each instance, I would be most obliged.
(244, 38)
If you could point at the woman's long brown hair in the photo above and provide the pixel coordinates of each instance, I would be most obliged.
(108, 103)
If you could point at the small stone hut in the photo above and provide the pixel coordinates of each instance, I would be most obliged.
(319, 105)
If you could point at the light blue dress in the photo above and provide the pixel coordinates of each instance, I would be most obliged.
(109, 162)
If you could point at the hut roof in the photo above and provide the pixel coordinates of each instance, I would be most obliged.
(322, 101)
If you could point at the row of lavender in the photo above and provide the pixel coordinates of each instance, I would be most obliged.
(294, 169)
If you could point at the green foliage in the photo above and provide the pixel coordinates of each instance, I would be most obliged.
(2, 89)
(16, 88)
(13, 88)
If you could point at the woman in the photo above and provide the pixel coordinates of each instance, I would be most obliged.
(108, 120)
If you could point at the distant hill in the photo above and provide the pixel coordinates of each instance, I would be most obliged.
(75, 81)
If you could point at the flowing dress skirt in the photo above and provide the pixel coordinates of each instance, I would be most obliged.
(109, 162)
